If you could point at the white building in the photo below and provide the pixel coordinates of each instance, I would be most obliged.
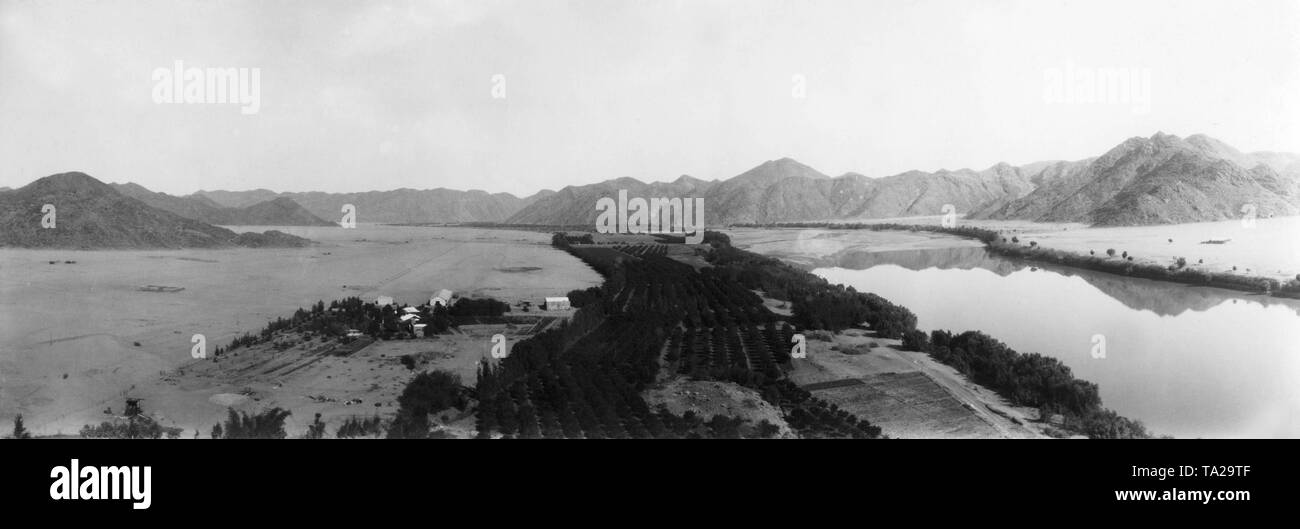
(560, 303)
(411, 310)
(441, 297)
(408, 317)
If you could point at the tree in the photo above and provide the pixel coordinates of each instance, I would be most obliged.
(409, 424)
(916, 340)
(266, 425)
(432, 392)
(767, 430)
(137, 425)
(1110, 252)
(317, 429)
(216, 431)
(20, 431)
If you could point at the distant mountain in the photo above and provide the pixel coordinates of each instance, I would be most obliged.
(576, 205)
(277, 211)
(1162, 179)
(237, 199)
(785, 190)
(396, 206)
(1159, 180)
(91, 214)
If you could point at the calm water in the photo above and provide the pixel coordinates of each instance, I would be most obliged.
(1187, 361)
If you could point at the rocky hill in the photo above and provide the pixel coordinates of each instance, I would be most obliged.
(277, 211)
(89, 214)
(395, 206)
(1160, 180)
(785, 190)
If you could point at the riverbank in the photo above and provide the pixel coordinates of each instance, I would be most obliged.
(1109, 260)
(1024, 380)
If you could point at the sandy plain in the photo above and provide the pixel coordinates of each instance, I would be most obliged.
(82, 331)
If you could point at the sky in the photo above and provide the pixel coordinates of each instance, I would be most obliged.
(531, 94)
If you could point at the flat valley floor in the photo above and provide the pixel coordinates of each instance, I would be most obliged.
(84, 329)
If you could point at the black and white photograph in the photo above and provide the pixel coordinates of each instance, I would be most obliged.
(670, 220)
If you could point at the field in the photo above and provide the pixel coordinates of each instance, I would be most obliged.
(906, 394)
(322, 377)
(80, 332)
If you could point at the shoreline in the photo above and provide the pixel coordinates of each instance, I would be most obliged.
(1037, 382)
(1007, 246)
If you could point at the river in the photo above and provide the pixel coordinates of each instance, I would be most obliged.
(1186, 361)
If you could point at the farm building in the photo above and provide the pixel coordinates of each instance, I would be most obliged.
(408, 317)
(384, 300)
(411, 310)
(560, 303)
(353, 333)
(441, 297)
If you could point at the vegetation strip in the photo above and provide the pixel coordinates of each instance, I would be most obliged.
(1114, 262)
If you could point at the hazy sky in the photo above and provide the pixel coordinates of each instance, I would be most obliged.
(380, 95)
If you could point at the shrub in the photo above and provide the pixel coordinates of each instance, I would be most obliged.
(916, 340)
(20, 431)
(317, 429)
(269, 424)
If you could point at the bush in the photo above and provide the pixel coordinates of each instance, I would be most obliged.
(268, 424)
(471, 307)
(581, 298)
(136, 426)
(354, 427)
(916, 340)
(20, 431)
(316, 430)
(427, 393)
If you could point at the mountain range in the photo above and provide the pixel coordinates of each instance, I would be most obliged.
(395, 206)
(1159, 180)
(1155, 180)
(90, 214)
(275, 211)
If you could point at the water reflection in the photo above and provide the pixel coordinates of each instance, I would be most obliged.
(1161, 297)
(1187, 361)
